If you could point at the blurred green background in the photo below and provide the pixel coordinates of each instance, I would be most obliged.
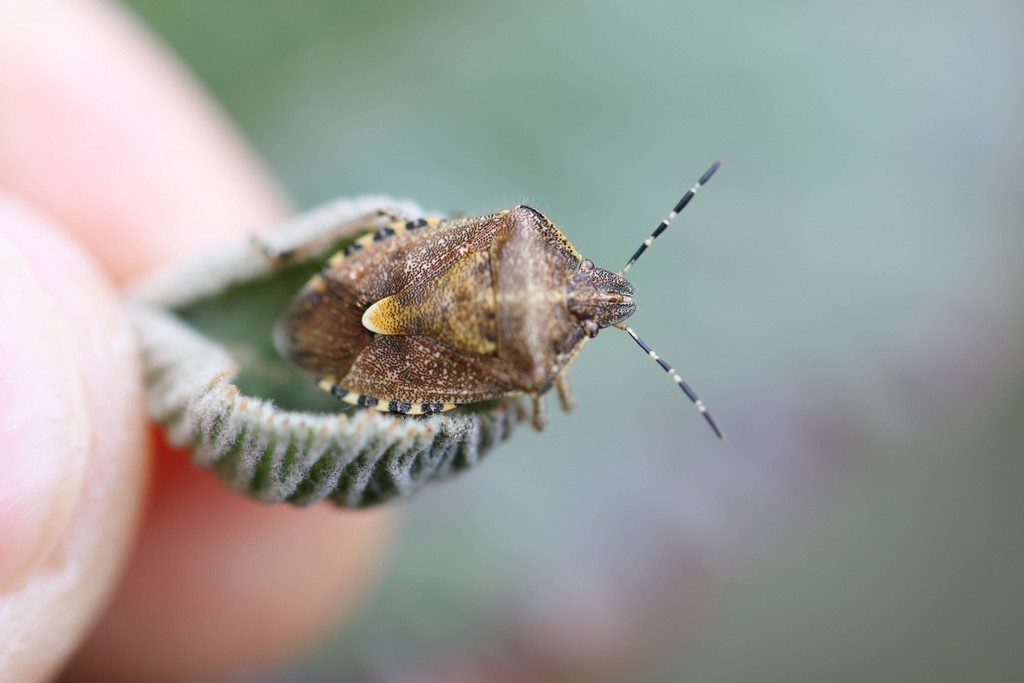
(843, 295)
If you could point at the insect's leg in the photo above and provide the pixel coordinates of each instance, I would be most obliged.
(316, 231)
(540, 412)
(565, 392)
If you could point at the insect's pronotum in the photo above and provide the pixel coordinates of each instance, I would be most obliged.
(420, 316)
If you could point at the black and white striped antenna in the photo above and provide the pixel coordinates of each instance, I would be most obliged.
(675, 378)
(640, 342)
(672, 214)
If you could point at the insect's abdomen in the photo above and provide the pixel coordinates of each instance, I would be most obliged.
(322, 330)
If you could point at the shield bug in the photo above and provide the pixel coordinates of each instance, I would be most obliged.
(420, 316)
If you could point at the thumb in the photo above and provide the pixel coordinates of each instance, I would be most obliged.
(71, 443)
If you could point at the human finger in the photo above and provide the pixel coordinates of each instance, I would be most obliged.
(71, 443)
(104, 130)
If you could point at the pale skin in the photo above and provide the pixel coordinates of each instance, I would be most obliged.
(116, 556)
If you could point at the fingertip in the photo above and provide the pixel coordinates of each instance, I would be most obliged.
(71, 441)
(44, 424)
(106, 132)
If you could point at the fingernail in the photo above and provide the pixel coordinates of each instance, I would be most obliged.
(44, 424)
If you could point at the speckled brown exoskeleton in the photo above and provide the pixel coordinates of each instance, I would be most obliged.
(420, 316)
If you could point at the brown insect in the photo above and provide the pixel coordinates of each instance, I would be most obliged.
(421, 316)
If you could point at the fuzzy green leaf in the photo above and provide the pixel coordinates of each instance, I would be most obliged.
(216, 382)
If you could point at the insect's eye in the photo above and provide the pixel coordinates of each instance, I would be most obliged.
(590, 328)
(588, 265)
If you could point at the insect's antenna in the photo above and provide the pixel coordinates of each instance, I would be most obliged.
(674, 375)
(672, 214)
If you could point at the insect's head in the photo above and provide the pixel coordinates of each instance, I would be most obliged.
(599, 298)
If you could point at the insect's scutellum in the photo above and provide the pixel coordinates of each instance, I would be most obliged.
(675, 378)
(671, 216)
